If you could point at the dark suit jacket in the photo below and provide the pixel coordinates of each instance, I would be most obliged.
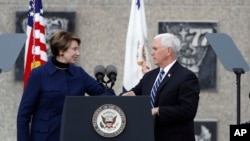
(177, 98)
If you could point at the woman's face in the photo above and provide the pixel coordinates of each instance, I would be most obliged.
(71, 54)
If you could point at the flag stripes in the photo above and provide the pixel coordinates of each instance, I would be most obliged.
(35, 47)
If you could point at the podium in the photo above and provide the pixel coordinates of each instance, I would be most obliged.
(107, 118)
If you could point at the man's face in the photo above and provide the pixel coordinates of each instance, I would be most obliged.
(159, 53)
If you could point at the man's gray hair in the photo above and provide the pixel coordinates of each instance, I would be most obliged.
(170, 40)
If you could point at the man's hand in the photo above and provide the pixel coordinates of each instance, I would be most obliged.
(155, 111)
(130, 93)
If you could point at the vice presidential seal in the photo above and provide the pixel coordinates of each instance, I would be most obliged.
(109, 120)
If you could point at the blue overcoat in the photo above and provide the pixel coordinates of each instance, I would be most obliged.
(41, 106)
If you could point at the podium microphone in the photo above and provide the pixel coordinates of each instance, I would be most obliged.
(111, 73)
(99, 72)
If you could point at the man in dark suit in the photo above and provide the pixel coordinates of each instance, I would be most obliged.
(175, 99)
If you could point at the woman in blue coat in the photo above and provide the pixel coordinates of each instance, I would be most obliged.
(40, 109)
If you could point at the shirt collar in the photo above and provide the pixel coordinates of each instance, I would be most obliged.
(167, 68)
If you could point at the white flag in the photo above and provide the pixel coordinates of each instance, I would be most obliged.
(136, 57)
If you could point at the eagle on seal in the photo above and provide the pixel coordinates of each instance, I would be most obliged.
(108, 121)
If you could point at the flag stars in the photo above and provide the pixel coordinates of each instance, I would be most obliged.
(32, 14)
(31, 8)
(41, 11)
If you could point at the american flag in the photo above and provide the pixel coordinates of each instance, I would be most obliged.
(35, 47)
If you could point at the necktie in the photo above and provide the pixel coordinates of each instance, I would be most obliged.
(155, 87)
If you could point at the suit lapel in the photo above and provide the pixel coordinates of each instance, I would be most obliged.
(167, 78)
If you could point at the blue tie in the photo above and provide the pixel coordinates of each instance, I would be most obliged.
(155, 87)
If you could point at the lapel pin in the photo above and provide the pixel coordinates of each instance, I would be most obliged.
(169, 75)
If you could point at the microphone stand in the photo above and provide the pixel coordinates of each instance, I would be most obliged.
(107, 88)
(112, 84)
(238, 72)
